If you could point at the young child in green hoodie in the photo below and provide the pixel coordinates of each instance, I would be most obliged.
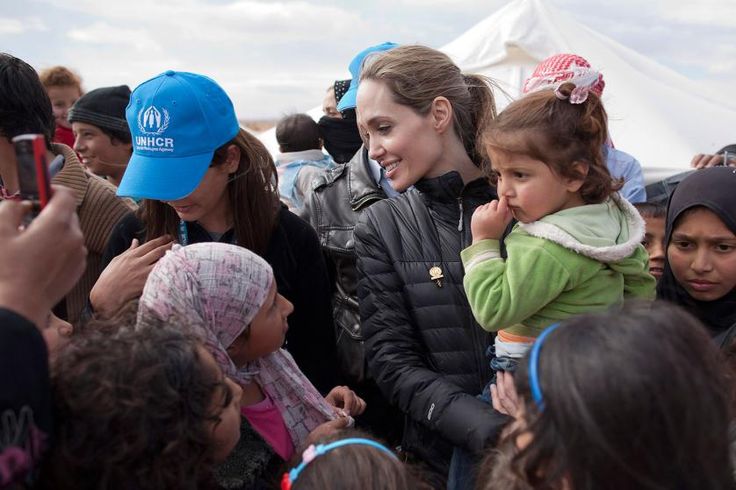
(577, 245)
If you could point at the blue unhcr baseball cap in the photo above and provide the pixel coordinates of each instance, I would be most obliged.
(177, 120)
(348, 100)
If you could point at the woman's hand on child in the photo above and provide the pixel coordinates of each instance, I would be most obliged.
(346, 399)
(490, 220)
(327, 429)
(123, 279)
(503, 394)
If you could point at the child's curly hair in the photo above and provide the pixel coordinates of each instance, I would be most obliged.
(60, 76)
(133, 407)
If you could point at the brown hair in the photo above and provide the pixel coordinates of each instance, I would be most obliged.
(134, 409)
(553, 130)
(610, 420)
(60, 76)
(356, 467)
(651, 210)
(297, 132)
(416, 75)
(252, 192)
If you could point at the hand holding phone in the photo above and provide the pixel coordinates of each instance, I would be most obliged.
(33, 174)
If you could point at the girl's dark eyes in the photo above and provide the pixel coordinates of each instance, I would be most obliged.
(519, 175)
(682, 244)
(725, 247)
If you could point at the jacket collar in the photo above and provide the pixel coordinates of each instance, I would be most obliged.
(362, 188)
(72, 175)
(449, 187)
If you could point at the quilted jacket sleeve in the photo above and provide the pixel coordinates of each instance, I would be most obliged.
(397, 357)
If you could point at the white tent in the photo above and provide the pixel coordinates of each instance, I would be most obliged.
(655, 114)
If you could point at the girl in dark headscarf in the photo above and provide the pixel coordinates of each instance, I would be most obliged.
(700, 236)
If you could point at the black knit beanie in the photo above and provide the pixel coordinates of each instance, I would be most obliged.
(102, 107)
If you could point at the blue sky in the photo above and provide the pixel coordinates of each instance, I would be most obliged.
(279, 56)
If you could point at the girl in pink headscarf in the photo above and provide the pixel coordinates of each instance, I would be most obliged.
(228, 295)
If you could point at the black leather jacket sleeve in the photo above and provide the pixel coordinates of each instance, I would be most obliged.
(397, 358)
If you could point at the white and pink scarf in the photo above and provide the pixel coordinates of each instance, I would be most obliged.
(218, 288)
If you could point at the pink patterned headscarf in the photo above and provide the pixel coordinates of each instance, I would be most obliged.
(555, 70)
(219, 288)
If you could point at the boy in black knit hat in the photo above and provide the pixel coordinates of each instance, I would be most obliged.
(101, 134)
(25, 107)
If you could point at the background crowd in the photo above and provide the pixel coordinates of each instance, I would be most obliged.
(417, 291)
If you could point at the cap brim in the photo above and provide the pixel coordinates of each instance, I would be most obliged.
(163, 178)
(348, 101)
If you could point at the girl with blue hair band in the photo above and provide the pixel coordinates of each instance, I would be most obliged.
(351, 460)
(633, 398)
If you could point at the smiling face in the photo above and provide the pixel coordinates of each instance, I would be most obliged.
(406, 144)
(100, 154)
(531, 188)
(702, 255)
(63, 98)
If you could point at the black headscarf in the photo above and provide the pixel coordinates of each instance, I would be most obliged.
(715, 189)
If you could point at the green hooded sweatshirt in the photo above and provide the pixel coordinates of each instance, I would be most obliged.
(578, 260)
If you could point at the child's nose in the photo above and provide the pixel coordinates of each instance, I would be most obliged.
(657, 251)
(505, 189)
(237, 391)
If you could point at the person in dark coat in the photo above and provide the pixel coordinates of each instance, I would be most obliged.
(33, 278)
(700, 249)
(419, 117)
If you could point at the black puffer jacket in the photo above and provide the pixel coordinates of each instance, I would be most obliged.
(424, 348)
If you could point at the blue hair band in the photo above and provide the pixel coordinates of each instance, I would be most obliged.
(313, 451)
(534, 366)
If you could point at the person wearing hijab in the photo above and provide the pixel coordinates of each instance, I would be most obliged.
(227, 294)
(700, 236)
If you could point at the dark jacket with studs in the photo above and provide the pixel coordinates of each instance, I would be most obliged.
(424, 348)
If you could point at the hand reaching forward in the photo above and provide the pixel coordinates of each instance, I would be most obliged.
(124, 277)
(346, 399)
(503, 395)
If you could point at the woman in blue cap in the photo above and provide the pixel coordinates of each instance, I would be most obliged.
(204, 179)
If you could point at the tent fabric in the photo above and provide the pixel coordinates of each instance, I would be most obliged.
(657, 115)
